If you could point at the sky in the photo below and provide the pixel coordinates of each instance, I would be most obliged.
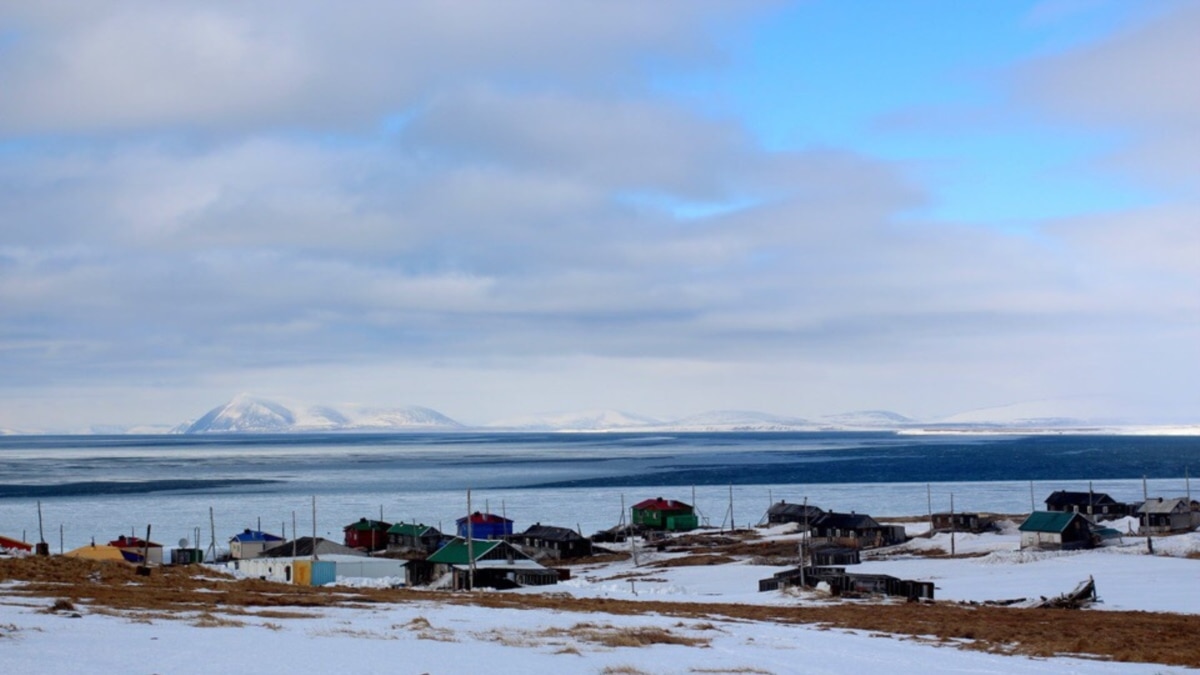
(499, 209)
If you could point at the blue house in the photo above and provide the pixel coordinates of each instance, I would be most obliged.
(484, 526)
(251, 543)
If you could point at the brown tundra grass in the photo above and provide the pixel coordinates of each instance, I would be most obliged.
(1146, 637)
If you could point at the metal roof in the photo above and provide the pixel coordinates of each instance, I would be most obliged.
(660, 504)
(254, 535)
(455, 552)
(1048, 521)
(412, 529)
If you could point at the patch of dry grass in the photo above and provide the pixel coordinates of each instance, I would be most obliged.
(694, 561)
(182, 593)
(622, 670)
(612, 636)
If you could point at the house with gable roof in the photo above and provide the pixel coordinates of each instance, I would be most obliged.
(493, 563)
(251, 543)
(1056, 531)
(1166, 516)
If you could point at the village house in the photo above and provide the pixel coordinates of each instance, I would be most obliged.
(250, 543)
(664, 514)
(960, 522)
(856, 530)
(368, 535)
(804, 515)
(414, 538)
(492, 563)
(484, 526)
(1056, 531)
(1166, 516)
(548, 541)
(1095, 505)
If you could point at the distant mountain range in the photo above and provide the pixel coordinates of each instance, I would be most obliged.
(251, 414)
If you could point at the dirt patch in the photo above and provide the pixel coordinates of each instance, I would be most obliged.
(694, 561)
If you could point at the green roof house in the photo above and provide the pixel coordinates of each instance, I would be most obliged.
(1056, 531)
(492, 563)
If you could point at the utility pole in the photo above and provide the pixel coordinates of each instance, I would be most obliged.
(470, 546)
(1146, 516)
(953, 525)
(929, 505)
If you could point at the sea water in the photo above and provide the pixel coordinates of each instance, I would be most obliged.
(192, 487)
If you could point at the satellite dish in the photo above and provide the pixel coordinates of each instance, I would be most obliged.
(183, 543)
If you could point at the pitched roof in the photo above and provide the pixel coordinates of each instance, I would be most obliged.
(250, 536)
(847, 521)
(364, 525)
(478, 518)
(798, 510)
(1068, 498)
(304, 548)
(552, 533)
(1160, 505)
(413, 530)
(660, 504)
(8, 542)
(1048, 521)
(455, 553)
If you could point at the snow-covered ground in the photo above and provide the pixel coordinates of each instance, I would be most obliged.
(430, 637)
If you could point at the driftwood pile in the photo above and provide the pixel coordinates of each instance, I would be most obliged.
(1083, 595)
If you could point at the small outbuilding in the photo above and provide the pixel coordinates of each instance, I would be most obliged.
(664, 514)
(1056, 531)
(138, 550)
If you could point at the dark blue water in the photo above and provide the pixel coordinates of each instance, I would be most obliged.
(48, 466)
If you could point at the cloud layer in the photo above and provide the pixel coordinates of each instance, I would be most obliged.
(492, 210)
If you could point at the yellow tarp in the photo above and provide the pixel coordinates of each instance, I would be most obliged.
(97, 553)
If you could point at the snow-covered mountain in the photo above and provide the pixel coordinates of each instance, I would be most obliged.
(866, 419)
(587, 420)
(739, 420)
(1038, 414)
(250, 414)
